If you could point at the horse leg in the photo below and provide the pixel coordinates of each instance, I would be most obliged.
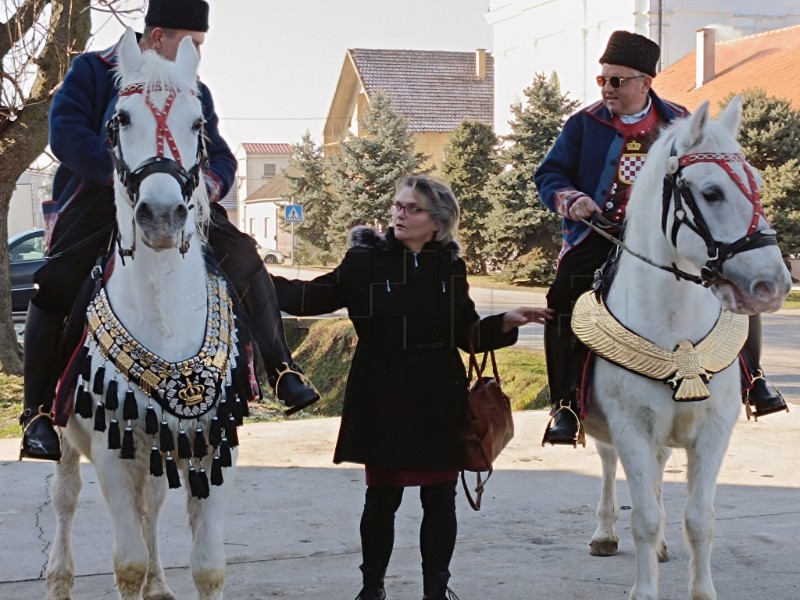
(155, 586)
(705, 460)
(123, 483)
(662, 456)
(206, 520)
(64, 491)
(637, 455)
(605, 541)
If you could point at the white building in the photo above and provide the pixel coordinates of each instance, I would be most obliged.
(258, 165)
(569, 36)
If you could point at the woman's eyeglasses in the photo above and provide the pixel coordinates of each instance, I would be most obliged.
(411, 209)
(615, 81)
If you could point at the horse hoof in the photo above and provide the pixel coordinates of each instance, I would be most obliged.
(603, 547)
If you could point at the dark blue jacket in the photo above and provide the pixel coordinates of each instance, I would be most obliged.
(78, 117)
(585, 158)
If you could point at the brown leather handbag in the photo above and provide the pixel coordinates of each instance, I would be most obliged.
(490, 425)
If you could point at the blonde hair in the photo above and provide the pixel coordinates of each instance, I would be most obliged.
(439, 200)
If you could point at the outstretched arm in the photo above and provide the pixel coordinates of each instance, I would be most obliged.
(524, 315)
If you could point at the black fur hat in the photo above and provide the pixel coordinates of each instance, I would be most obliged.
(191, 15)
(632, 50)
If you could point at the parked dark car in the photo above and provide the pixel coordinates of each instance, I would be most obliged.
(26, 254)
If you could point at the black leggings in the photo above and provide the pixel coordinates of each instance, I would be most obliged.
(437, 536)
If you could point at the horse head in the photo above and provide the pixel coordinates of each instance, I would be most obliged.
(157, 145)
(711, 214)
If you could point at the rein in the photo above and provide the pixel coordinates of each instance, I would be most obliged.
(188, 180)
(676, 189)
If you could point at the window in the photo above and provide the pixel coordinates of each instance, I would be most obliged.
(269, 170)
(251, 226)
(266, 228)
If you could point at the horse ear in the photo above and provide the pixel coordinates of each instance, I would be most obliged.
(187, 58)
(128, 53)
(697, 126)
(731, 117)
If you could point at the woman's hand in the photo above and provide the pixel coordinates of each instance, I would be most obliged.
(524, 315)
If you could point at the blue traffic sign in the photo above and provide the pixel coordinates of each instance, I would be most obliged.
(293, 213)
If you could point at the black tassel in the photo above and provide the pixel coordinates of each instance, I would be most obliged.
(238, 411)
(215, 432)
(128, 449)
(83, 403)
(99, 381)
(194, 483)
(231, 434)
(165, 439)
(226, 460)
(150, 420)
(223, 410)
(130, 410)
(100, 417)
(112, 400)
(113, 435)
(156, 464)
(216, 471)
(202, 478)
(184, 448)
(200, 446)
(172, 474)
(86, 373)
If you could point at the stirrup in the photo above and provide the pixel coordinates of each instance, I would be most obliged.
(44, 422)
(286, 368)
(751, 409)
(579, 438)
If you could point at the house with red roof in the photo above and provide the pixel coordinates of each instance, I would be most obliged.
(769, 60)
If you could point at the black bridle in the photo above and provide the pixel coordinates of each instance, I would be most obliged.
(188, 180)
(677, 190)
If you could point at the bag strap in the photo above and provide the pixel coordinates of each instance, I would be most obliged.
(481, 483)
(473, 359)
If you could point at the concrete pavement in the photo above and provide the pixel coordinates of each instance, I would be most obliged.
(292, 523)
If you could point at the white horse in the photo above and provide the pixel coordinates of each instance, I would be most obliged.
(682, 326)
(156, 393)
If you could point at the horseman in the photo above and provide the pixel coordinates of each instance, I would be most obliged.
(83, 188)
(588, 174)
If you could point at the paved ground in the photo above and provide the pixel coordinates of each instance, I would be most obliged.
(292, 525)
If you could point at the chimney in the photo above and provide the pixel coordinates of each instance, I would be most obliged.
(480, 63)
(704, 66)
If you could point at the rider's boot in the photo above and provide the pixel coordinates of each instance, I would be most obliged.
(373, 584)
(284, 375)
(762, 398)
(39, 438)
(564, 426)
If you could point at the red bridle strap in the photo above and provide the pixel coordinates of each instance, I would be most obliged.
(724, 160)
(163, 133)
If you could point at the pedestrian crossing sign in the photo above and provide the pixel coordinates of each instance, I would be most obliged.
(293, 213)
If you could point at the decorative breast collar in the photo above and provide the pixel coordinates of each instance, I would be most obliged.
(186, 389)
(687, 369)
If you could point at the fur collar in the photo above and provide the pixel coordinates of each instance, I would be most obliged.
(367, 237)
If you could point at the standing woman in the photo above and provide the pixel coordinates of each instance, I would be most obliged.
(406, 293)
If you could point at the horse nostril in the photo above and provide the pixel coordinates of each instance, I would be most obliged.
(764, 289)
(144, 214)
(179, 215)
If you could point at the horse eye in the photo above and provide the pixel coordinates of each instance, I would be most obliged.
(198, 124)
(124, 117)
(713, 194)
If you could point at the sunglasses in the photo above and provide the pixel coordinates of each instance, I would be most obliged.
(615, 81)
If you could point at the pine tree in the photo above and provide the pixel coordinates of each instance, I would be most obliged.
(524, 235)
(308, 185)
(470, 160)
(770, 137)
(364, 172)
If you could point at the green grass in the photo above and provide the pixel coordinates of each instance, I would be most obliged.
(10, 406)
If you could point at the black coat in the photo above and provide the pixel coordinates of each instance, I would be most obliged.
(406, 393)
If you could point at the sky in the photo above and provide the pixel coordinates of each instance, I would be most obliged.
(272, 65)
